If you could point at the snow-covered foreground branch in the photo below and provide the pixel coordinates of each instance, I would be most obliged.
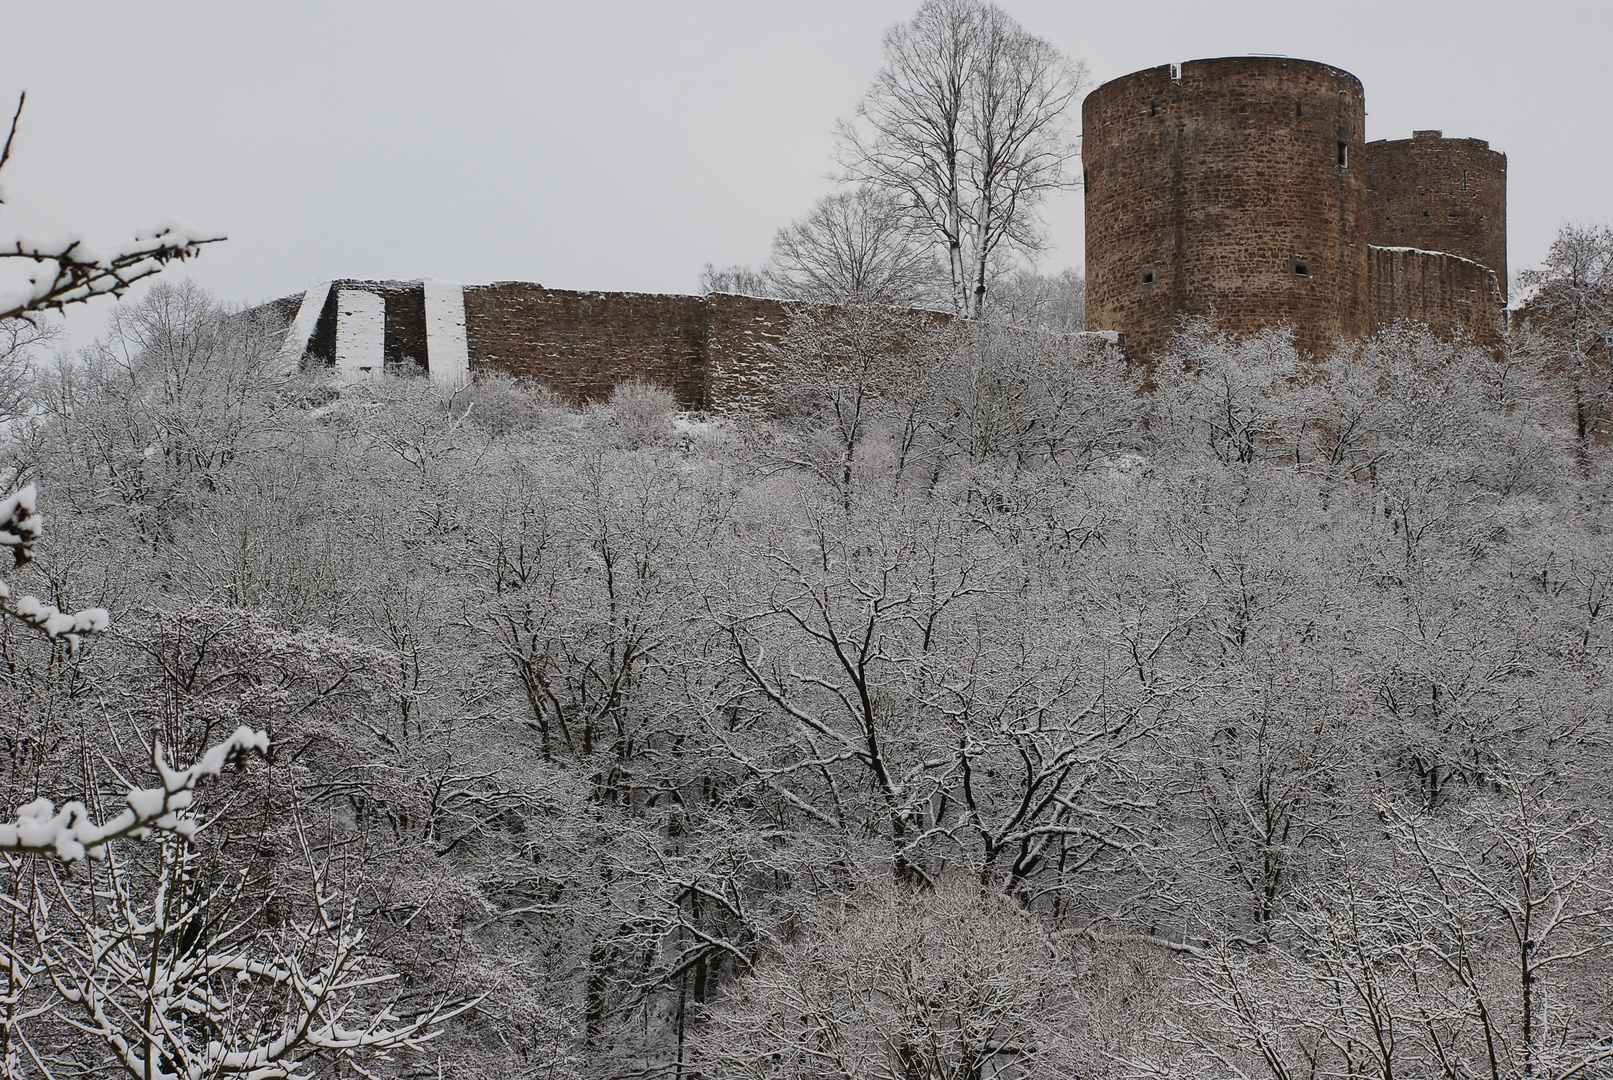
(20, 529)
(70, 272)
(70, 834)
(178, 980)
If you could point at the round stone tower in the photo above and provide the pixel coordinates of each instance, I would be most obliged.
(1232, 187)
(1439, 194)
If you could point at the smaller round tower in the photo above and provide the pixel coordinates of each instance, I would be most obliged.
(1439, 194)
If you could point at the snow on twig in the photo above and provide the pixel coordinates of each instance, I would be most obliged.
(70, 834)
(20, 529)
(71, 273)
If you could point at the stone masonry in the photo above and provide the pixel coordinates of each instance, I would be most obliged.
(712, 352)
(1439, 194)
(1436, 289)
(1242, 190)
(717, 352)
(1225, 189)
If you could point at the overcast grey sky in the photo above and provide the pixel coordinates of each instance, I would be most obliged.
(620, 145)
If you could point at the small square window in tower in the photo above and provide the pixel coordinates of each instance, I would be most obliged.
(1301, 266)
(1146, 278)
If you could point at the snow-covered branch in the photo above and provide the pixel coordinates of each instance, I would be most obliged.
(180, 982)
(20, 528)
(71, 272)
(70, 834)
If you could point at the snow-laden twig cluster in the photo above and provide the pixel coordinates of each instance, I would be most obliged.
(71, 272)
(70, 834)
(184, 984)
(20, 529)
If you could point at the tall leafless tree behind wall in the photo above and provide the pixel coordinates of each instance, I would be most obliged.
(734, 278)
(967, 124)
(1055, 303)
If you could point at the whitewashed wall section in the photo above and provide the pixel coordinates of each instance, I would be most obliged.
(302, 327)
(447, 353)
(360, 335)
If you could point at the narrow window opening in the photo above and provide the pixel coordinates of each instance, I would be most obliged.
(1344, 154)
(1147, 277)
(1153, 108)
(1301, 266)
(1464, 179)
(1299, 110)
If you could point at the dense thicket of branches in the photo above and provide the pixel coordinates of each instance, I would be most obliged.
(972, 711)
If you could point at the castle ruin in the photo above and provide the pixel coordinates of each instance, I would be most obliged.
(1238, 189)
(1242, 190)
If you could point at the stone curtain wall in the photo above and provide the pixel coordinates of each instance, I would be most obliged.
(741, 334)
(712, 352)
(581, 344)
(1439, 194)
(1224, 191)
(406, 328)
(402, 325)
(1445, 292)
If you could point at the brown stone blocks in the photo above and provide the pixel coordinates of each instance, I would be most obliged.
(741, 335)
(1439, 194)
(405, 339)
(713, 352)
(1233, 189)
(1447, 293)
(581, 344)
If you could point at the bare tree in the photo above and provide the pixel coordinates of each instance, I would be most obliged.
(1055, 303)
(966, 124)
(734, 278)
(846, 368)
(1572, 306)
(1470, 949)
(939, 986)
(857, 245)
(174, 978)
